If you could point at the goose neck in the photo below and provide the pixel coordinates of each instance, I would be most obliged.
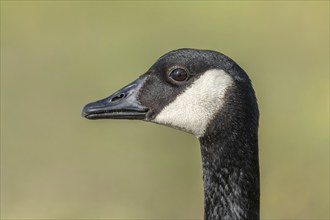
(231, 177)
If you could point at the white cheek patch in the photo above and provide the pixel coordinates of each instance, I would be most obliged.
(196, 106)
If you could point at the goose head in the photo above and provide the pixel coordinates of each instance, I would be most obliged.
(185, 89)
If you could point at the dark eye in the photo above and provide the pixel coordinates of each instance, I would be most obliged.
(179, 74)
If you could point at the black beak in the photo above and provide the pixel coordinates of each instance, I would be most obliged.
(123, 104)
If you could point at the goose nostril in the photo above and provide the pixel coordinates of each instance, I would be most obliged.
(118, 97)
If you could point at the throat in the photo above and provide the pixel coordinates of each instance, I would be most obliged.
(231, 177)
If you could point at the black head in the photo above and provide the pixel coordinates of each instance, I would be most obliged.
(184, 89)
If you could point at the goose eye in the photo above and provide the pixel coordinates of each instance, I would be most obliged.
(179, 74)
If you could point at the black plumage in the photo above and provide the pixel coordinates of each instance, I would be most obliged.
(229, 144)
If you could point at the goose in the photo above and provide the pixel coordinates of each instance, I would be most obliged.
(207, 94)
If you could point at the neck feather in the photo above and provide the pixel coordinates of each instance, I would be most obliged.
(229, 151)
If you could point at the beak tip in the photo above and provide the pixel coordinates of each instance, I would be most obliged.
(85, 111)
(83, 114)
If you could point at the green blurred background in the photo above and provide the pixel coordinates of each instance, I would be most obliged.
(58, 56)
